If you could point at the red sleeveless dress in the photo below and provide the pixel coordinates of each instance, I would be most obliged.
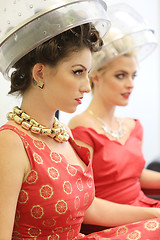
(53, 198)
(117, 167)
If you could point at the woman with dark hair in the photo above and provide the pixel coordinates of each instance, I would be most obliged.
(47, 188)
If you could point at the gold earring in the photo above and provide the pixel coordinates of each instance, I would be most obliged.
(40, 84)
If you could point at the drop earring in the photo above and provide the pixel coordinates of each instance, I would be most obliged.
(40, 84)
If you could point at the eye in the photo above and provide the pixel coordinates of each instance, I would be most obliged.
(78, 72)
(120, 76)
(134, 76)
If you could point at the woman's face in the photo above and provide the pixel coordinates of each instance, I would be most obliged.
(117, 81)
(65, 84)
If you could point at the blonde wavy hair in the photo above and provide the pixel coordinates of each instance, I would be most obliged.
(115, 44)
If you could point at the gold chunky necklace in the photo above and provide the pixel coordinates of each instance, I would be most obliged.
(57, 132)
(116, 134)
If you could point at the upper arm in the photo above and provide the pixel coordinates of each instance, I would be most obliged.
(12, 169)
(150, 179)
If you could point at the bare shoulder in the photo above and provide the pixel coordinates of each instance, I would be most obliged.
(9, 139)
(11, 149)
(79, 120)
(129, 123)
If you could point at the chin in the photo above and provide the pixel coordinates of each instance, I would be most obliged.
(123, 104)
(68, 110)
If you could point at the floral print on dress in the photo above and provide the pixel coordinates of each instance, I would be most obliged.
(55, 194)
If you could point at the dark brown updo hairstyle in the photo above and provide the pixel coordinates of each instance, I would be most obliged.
(52, 51)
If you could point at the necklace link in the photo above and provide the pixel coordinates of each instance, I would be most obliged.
(57, 132)
(116, 134)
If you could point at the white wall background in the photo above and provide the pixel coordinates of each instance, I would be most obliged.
(144, 102)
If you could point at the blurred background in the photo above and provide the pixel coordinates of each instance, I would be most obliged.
(145, 100)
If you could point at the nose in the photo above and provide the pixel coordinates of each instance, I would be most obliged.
(130, 83)
(85, 86)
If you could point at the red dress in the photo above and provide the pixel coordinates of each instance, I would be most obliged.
(53, 198)
(117, 167)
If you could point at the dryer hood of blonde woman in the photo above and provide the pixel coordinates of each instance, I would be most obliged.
(129, 34)
(121, 45)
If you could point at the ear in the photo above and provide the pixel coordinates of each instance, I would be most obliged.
(38, 71)
(95, 79)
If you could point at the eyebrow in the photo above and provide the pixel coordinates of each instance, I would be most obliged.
(120, 71)
(124, 71)
(80, 65)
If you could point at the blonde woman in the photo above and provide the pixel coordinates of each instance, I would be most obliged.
(115, 143)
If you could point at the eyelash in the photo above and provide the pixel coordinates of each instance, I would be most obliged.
(134, 76)
(121, 76)
(78, 72)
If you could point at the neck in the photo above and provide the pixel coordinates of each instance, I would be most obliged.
(38, 110)
(106, 113)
